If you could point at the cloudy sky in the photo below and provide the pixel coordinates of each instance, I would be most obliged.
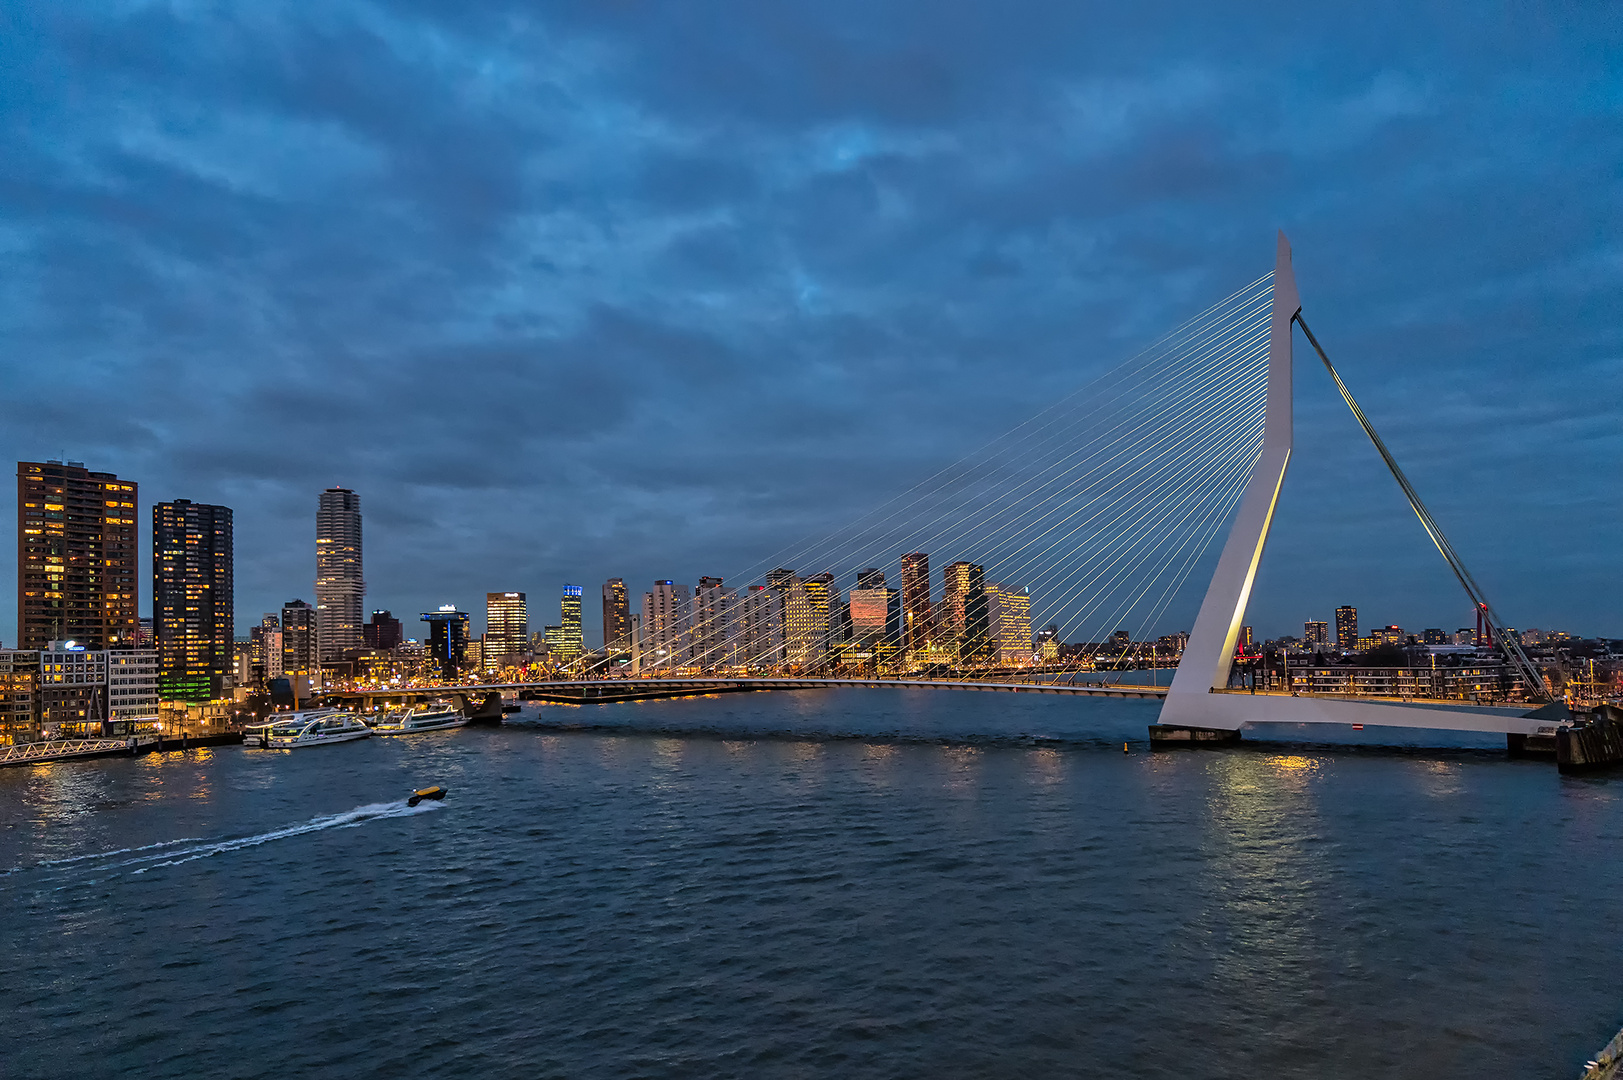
(575, 290)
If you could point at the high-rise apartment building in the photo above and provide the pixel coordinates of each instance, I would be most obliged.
(507, 626)
(193, 590)
(340, 585)
(916, 615)
(1346, 627)
(1316, 633)
(710, 614)
(574, 640)
(665, 613)
(757, 630)
(616, 615)
(298, 638)
(76, 557)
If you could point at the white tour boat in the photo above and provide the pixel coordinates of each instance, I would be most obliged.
(318, 729)
(440, 716)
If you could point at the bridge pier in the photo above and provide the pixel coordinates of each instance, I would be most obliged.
(1173, 735)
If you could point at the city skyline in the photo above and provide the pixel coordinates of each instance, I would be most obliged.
(942, 600)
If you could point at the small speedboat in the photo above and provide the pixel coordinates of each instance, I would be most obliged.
(299, 730)
(440, 716)
(436, 793)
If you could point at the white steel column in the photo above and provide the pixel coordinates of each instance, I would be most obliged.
(1210, 652)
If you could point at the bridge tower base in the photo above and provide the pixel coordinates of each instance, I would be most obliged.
(1171, 735)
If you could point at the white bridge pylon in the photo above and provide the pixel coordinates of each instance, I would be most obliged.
(1199, 695)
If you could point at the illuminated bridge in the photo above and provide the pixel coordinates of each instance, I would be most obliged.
(1101, 517)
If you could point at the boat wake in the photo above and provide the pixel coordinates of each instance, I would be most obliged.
(138, 860)
(349, 819)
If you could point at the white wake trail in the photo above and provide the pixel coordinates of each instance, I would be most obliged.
(349, 819)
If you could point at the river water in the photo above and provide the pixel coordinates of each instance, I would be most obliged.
(873, 883)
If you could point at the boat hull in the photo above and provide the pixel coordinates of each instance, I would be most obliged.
(299, 742)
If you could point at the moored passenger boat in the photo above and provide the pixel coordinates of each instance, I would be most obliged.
(440, 716)
(299, 730)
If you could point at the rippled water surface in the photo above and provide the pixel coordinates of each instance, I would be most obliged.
(834, 883)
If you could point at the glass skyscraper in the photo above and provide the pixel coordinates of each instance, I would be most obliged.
(340, 586)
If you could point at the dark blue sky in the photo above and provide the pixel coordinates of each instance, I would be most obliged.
(612, 288)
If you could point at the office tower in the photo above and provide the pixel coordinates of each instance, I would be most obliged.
(616, 615)
(340, 587)
(1121, 639)
(1316, 633)
(193, 615)
(710, 611)
(574, 640)
(1435, 636)
(507, 626)
(1346, 627)
(76, 557)
(382, 631)
(1010, 616)
(665, 613)
(780, 579)
(132, 684)
(953, 615)
(1465, 635)
(298, 638)
(447, 646)
(965, 610)
(809, 603)
(916, 619)
(870, 608)
(1245, 641)
(144, 633)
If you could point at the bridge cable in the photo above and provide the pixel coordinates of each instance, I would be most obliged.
(1512, 647)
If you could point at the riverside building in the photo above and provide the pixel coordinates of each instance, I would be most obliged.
(298, 638)
(916, 616)
(193, 612)
(616, 615)
(76, 556)
(447, 645)
(507, 627)
(340, 585)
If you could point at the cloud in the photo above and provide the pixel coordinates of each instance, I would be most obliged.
(624, 289)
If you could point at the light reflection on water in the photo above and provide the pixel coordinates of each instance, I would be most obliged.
(746, 901)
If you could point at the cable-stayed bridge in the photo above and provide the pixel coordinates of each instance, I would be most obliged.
(1095, 522)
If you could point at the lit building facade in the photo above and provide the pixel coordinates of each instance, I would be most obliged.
(616, 615)
(507, 626)
(757, 628)
(1010, 616)
(1316, 633)
(76, 556)
(193, 607)
(298, 638)
(574, 641)
(917, 618)
(1346, 627)
(664, 626)
(340, 584)
(711, 609)
(447, 646)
